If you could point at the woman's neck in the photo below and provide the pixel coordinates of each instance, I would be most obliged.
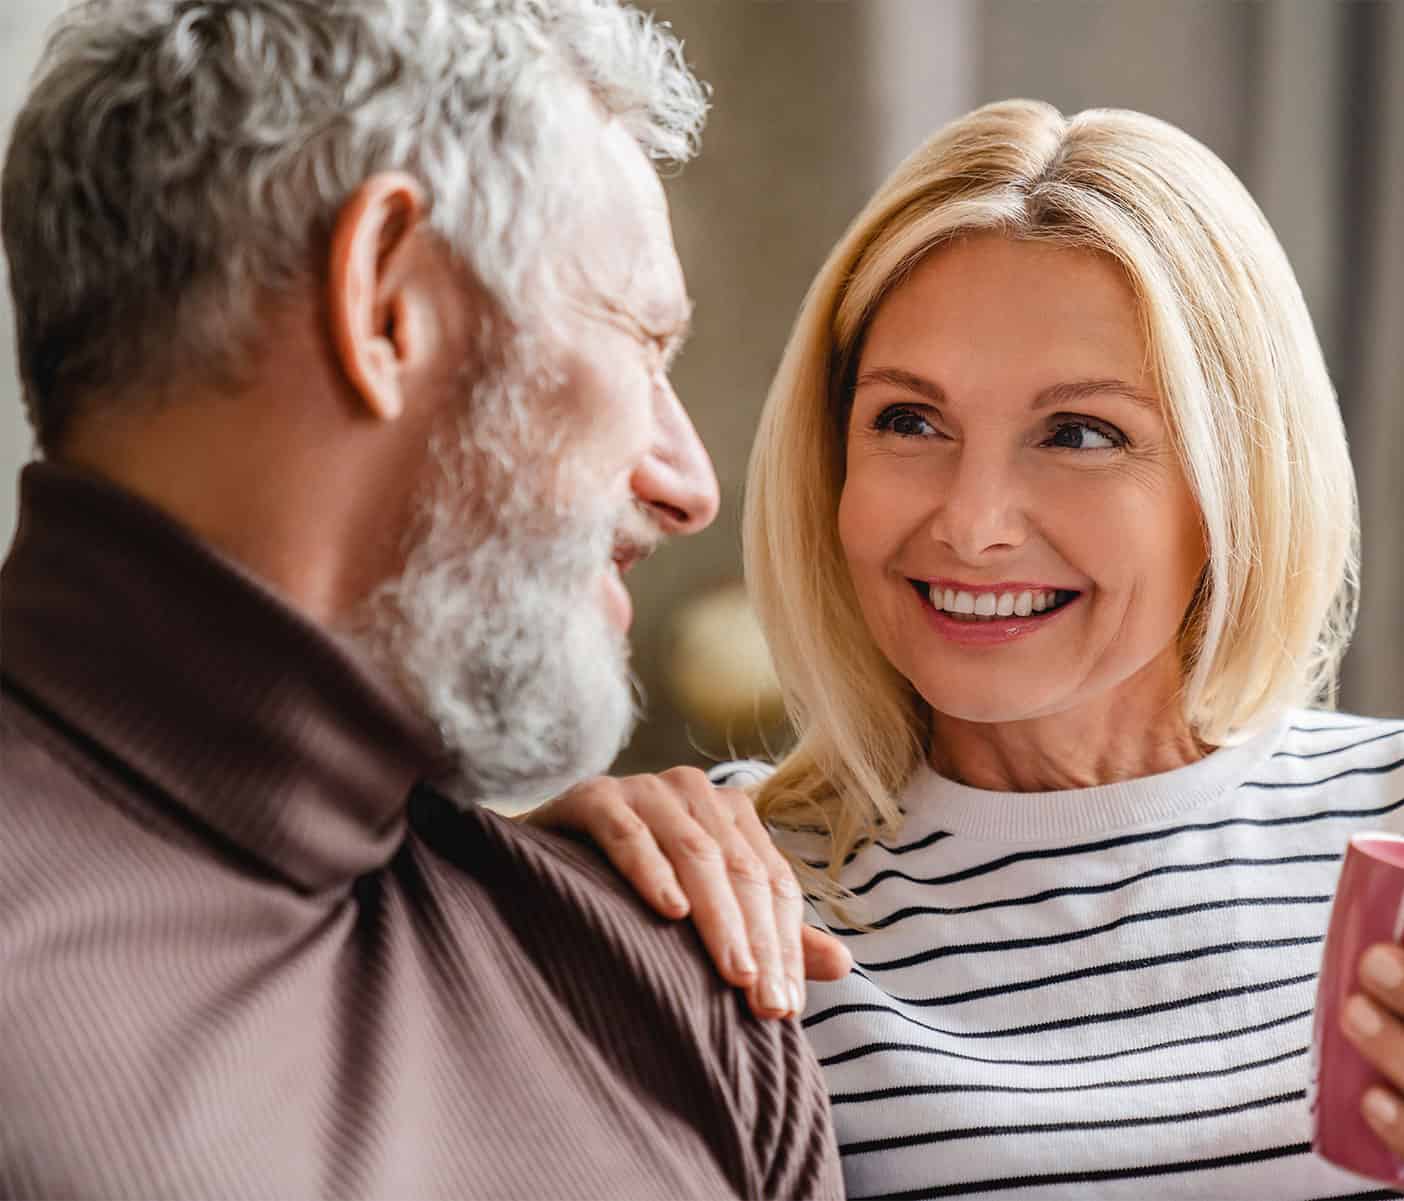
(1124, 735)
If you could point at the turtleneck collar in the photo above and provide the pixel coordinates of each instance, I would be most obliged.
(121, 624)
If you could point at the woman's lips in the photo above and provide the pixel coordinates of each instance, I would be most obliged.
(991, 616)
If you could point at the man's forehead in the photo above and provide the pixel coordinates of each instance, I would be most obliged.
(622, 253)
(661, 303)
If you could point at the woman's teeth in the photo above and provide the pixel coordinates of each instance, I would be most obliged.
(986, 606)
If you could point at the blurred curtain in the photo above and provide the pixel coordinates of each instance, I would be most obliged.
(1328, 166)
(1371, 363)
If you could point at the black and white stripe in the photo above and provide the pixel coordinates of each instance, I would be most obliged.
(1101, 993)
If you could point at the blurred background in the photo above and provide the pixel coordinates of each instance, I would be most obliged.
(817, 100)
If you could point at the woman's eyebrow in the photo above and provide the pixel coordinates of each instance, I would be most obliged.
(1075, 390)
(1067, 392)
(908, 380)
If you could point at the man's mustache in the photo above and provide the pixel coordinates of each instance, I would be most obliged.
(636, 538)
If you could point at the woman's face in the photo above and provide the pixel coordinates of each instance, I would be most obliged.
(1021, 537)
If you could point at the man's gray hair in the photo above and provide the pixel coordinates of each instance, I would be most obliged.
(176, 158)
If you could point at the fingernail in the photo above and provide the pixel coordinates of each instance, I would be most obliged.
(796, 996)
(674, 900)
(773, 995)
(1379, 1107)
(741, 962)
(1381, 968)
(1362, 1018)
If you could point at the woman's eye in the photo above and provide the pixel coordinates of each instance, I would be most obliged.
(1079, 435)
(905, 423)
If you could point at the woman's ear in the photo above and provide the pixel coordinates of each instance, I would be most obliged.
(368, 304)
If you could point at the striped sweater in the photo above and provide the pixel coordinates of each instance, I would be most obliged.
(1099, 993)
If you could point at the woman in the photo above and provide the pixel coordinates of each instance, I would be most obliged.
(1051, 526)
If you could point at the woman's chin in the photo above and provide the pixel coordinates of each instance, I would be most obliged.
(986, 706)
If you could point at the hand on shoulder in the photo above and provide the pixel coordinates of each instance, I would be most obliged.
(691, 847)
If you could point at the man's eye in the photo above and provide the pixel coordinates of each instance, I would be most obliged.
(1081, 435)
(904, 422)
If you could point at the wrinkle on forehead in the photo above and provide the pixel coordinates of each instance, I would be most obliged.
(620, 260)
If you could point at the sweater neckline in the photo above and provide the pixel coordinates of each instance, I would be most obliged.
(932, 802)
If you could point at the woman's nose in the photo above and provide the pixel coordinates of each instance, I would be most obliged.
(982, 510)
(676, 481)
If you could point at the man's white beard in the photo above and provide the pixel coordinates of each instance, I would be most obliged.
(496, 627)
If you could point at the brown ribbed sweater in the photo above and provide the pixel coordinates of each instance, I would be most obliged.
(245, 953)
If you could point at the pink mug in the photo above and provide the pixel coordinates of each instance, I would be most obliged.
(1369, 908)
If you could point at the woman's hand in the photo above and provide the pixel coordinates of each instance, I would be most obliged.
(1374, 1022)
(688, 846)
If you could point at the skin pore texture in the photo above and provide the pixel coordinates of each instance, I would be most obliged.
(468, 520)
(1006, 436)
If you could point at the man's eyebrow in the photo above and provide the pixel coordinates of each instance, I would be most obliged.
(679, 328)
(1068, 392)
(674, 334)
(659, 324)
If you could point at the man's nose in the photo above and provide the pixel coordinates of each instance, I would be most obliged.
(676, 481)
(982, 510)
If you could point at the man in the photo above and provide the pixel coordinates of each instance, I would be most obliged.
(344, 328)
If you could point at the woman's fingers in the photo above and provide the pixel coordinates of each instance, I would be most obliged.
(805, 953)
(770, 994)
(734, 890)
(1372, 1022)
(777, 918)
(646, 827)
(1385, 1113)
(604, 809)
(715, 870)
(1382, 975)
(825, 957)
(1377, 1035)
(689, 847)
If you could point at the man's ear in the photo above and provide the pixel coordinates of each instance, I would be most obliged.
(368, 307)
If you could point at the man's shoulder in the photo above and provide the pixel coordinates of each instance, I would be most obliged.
(559, 873)
(59, 787)
(32, 751)
(79, 827)
(569, 861)
(45, 777)
(642, 986)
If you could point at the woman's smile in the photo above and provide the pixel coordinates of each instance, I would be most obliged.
(993, 615)
(1010, 473)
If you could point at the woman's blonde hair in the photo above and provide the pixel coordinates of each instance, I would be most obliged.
(1248, 399)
